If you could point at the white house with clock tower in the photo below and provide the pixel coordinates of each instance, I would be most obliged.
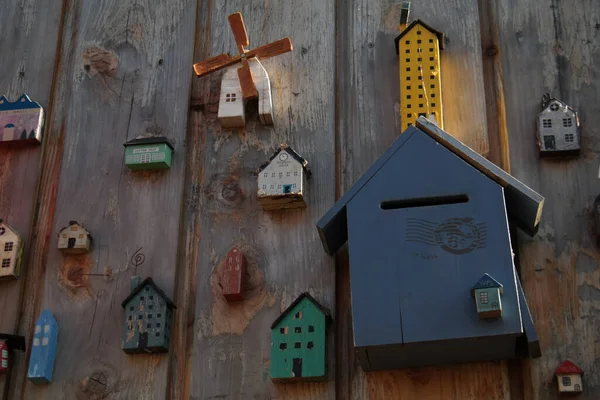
(282, 180)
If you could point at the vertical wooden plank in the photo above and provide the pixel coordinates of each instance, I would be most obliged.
(368, 95)
(28, 44)
(552, 46)
(126, 72)
(284, 254)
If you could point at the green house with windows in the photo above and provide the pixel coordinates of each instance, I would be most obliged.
(148, 318)
(298, 341)
(148, 153)
(487, 292)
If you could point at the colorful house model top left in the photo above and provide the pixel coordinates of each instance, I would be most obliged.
(21, 122)
(43, 349)
(8, 343)
(148, 314)
(148, 153)
(11, 251)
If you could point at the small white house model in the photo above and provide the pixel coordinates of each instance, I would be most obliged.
(11, 250)
(282, 180)
(557, 128)
(231, 103)
(74, 239)
(569, 377)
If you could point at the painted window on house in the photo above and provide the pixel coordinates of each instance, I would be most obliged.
(8, 246)
(547, 123)
(483, 297)
(6, 263)
(554, 107)
(569, 138)
(230, 98)
(2, 230)
(567, 122)
(566, 381)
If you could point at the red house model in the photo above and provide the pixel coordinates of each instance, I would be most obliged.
(234, 278)
(568, 375)
(8, 343)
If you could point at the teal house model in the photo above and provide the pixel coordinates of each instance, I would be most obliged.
(298, 341)
(487, 293)
(148, 316)
(148, 153)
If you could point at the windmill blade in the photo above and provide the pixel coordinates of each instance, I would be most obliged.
(239, 31)
(246, 81)
(215, 63)
(272, 49)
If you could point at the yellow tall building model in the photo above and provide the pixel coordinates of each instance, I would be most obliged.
(418, 47)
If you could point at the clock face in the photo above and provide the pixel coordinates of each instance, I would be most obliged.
(283, 156)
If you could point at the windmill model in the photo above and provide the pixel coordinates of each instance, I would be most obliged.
(242, 83)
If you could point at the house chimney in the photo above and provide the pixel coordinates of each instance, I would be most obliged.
(135, 282)
(404, 12)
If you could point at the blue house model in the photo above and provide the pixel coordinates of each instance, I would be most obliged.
(43, 349)
(423, 224)
(148, 314)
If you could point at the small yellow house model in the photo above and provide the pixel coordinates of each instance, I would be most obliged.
(11, 250)
(418, 48)
(74, 239)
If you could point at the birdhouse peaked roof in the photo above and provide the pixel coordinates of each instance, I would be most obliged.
(486, 281)
(547, 102)
(307, 295)
(439, 34)
(8, 227)
(292, 153)
(147, 281)
(23, 102)
(568, 367)
(149, 140)
(523, 204)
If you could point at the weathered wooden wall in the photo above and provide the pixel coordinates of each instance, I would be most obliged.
(107, 71)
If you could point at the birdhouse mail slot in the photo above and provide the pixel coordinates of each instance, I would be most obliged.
(423, 226)
(148, 153)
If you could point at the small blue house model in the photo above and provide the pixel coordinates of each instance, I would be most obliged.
(43, 349)
(487, 293)
(148, 314)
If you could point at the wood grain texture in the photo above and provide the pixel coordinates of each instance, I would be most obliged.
(28, 45)
(553, 46)
(231, 352)
(367, 86)
(125, 72)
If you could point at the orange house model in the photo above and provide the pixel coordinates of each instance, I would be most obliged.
(418, 48)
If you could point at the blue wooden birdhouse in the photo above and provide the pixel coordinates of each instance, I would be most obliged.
(423, 224)
(487, 293)
(148, 315)
(43, 349)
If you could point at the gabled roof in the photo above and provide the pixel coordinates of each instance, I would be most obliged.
(46, 317)
(149, 140)
(23, 102)
(292, 153)
(486, 281)
(439, 34)
(147, 281)
(568, 367)
(10, 228)
(307, 295)
(523, 204)
(547, 100)
(71, 223)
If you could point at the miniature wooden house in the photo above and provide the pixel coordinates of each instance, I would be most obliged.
(43, 349)
(11, 251)
(8, 343)
(148, 153)
(282, 180)
(298, 341)
(234, 281)
(433, 214)
(569, 377)
(487, 293)
(74, 239)
(558, 128)
(418, 48)
(148, 316)
(21, 122)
